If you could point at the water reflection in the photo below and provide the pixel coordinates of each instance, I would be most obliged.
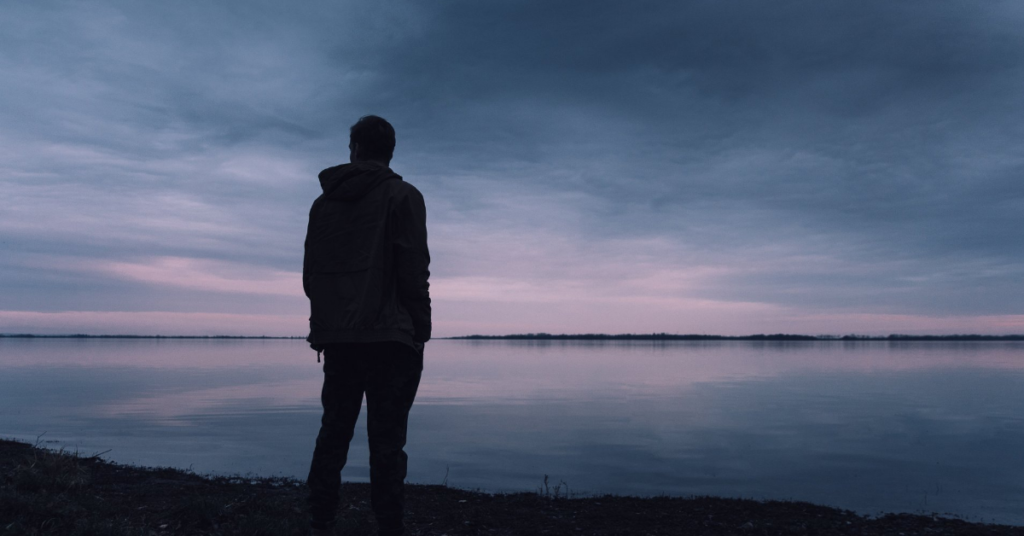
(870, 426)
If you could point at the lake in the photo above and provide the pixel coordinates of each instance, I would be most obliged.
(868, 426)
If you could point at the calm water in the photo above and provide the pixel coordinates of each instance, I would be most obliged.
(869, 426)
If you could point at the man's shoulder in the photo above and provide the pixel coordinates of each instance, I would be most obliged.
(404, 188)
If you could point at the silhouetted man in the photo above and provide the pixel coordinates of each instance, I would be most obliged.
(365, 273)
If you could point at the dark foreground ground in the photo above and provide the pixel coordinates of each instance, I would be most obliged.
(49, 492)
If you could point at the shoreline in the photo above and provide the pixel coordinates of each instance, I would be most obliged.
(49, 492)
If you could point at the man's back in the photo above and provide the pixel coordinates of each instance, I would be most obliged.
(366, 264)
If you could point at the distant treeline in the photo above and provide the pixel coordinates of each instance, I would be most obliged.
(759, 337)
(83, 336)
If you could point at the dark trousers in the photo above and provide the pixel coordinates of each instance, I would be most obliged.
(389, 374)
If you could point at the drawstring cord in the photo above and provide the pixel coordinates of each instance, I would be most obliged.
(318, 355)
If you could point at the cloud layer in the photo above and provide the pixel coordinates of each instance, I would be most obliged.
(806, 166)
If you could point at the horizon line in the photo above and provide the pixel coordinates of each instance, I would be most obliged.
(129, 336)
(755, 337)
(577, 336)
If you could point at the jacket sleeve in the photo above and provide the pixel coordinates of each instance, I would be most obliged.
(412, 260)
(305, 266)
(306, 253)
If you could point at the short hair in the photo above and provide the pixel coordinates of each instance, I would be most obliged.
(375, 136)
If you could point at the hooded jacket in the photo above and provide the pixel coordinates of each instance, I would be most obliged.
(365, 268)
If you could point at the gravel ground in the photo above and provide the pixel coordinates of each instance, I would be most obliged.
(49, 492)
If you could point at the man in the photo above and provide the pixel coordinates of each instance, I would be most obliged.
(365, 274)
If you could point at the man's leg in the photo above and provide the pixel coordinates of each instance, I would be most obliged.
(390, 391)
(342, 396)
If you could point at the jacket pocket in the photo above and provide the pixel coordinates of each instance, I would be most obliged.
(347, 300)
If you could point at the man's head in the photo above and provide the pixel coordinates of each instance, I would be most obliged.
(371, 138)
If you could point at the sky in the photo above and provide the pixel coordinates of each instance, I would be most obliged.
(737, 167)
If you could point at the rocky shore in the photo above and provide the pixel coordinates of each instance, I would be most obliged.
(46, 492)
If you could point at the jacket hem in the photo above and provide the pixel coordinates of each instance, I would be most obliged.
(320, 339)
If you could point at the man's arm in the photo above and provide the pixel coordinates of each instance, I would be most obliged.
(412, 260)
(305, 268)
(305, 255)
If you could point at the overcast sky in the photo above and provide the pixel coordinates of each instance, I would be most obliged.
(736, 167)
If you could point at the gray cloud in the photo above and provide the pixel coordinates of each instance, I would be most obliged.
(825, 156)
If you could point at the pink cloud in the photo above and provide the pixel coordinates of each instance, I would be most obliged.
(152, 323)
(209, 275)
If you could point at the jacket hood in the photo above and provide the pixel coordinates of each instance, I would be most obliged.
(352, 181)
